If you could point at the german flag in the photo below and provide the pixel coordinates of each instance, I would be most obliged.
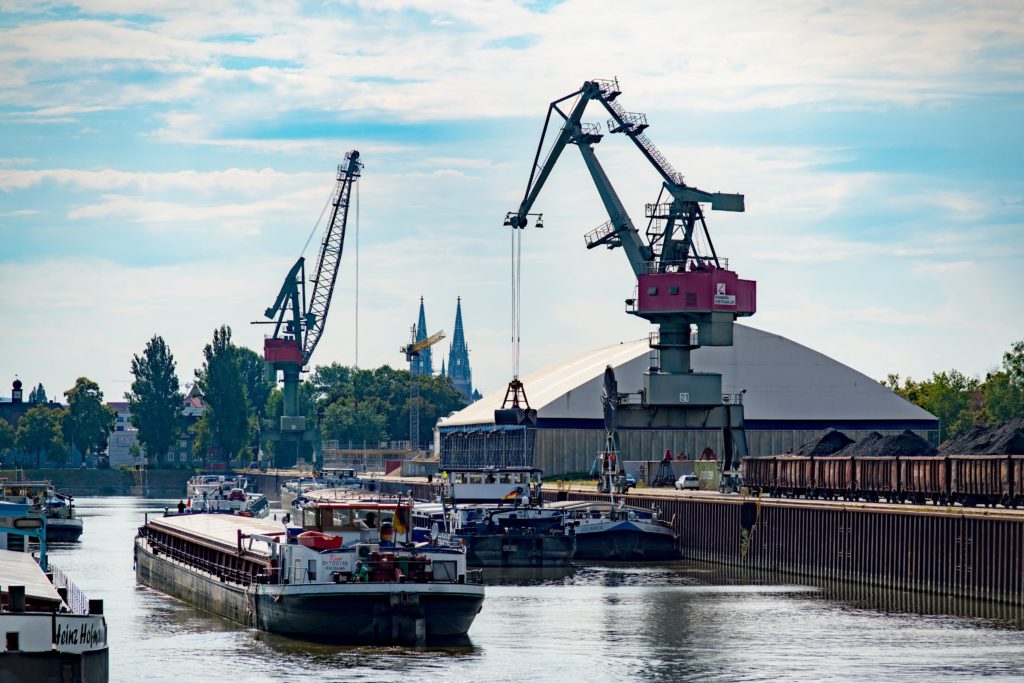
(401, 520)
(511, 495)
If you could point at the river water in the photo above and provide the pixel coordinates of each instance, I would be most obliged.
(676, 621)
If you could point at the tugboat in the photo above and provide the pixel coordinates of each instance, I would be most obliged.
(498, 514)
(62, 524)
(349, 573)
(53, 632)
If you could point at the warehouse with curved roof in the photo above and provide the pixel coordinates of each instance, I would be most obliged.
(790, 394)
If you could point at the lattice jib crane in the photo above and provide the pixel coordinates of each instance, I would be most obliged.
(683, 285)
(299, 322)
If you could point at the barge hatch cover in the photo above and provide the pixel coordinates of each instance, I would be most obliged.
(219, 530)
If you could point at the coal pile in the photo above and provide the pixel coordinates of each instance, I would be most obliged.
(1002, 439)
(905, 443)
(829, 443)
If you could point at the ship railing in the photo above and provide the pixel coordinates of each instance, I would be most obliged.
(217, 569)
(75, 598)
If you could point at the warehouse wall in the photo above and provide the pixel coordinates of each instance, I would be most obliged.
(565, 451)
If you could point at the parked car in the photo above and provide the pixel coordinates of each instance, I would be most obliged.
(630, 480)
(687, 481)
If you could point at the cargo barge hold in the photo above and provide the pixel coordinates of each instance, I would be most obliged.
(334, 581)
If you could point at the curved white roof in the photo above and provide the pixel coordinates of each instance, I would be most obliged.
(783, 381)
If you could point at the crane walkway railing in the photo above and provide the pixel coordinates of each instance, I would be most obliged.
(633, 125)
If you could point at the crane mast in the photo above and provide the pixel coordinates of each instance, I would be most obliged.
(298, 325)
(683, 285)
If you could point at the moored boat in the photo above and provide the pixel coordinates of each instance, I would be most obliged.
(618, 532)
(499, 515)
(62, 520)
(52, 632)
(218, 493)
(348, 573)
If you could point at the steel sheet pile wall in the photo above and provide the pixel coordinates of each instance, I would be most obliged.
(966, 555)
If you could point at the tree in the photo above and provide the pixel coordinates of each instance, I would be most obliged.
(155, 400)
(1002, 400)
(358, 423)
(254, 375)
(87, 422)
(40, 432)
(1013, 364)
(223, 388)
(37, 395)
(7, 436)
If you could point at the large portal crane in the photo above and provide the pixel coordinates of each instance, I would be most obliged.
(412, 351)
(683, 285)
(298, 322)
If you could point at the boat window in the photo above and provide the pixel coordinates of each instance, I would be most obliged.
(337, 520)
(459, 478)
(475, 479)
(505, 478)
(309, 518)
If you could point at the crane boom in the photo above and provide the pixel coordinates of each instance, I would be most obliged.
(330, 256)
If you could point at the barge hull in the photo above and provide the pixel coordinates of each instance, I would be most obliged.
(366, 613)
(501, 550)
(625, 545)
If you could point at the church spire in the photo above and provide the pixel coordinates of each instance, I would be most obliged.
(424, 363)
(458, 358)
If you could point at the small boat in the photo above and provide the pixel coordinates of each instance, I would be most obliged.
(347, 573)
(217, 493)
(62, 522)
(617, 532)
(53, 632)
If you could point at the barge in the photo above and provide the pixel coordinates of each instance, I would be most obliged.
(348, 574)
(617, 532)
(499, 515)
(52, 632)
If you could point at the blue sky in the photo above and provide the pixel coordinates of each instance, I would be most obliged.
(162, 163)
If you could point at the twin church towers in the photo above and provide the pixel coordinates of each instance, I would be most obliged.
(458, 356)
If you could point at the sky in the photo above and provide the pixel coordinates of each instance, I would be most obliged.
(163, 163)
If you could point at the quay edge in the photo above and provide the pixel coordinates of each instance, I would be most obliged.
(971, 553)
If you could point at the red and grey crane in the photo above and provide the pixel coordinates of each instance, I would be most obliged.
(299, 322)
(683, 285)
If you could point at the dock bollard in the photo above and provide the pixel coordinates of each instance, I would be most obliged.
(16, 598)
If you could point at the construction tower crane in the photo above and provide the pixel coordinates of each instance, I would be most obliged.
(299, 322)
(683, 285)
(412, 351)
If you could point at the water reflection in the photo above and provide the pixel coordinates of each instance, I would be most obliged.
(665, 622)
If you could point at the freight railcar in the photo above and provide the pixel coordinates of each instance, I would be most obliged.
(964, 479)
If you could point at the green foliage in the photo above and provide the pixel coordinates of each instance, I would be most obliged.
(1013, 364)
(155, 399)
(961, 402)
(357, 423)
(37, 395)
(366, 396)
(1002, 399)
(257, 387)
(40, 432)
(7, 436)
(223, 388)
(87, 422)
